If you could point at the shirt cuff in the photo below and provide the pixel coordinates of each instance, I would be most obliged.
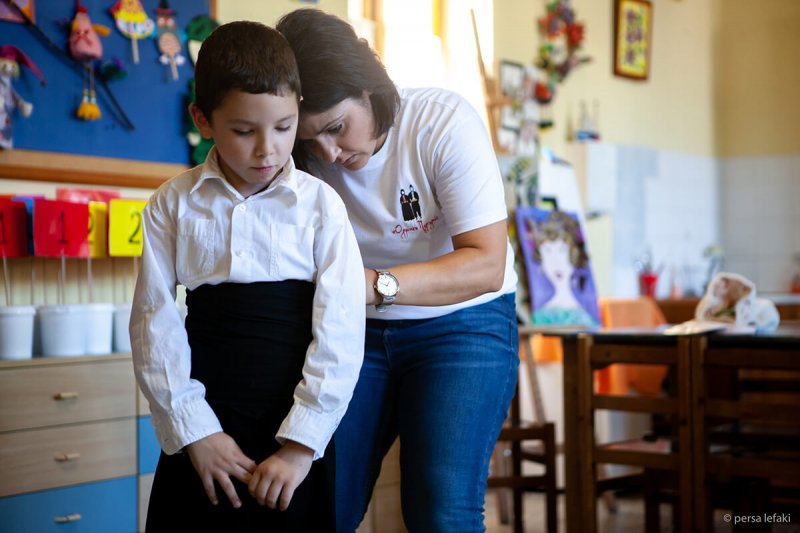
(309, 427)
(195, 421)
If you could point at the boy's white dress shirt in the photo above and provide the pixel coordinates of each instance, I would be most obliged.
(199, 230)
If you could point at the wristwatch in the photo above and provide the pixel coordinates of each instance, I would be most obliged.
(387, 287)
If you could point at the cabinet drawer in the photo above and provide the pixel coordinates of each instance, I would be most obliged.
(47, 458)
(51, 394)
(95, 507)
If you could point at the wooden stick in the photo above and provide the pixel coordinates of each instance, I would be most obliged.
(7, 282)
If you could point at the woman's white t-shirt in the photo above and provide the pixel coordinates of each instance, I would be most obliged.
(436, 176)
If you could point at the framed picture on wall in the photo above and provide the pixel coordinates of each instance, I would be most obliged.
(633, 36)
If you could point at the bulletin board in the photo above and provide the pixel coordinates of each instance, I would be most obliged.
(154, 102)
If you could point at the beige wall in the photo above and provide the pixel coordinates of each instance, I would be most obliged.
(757, 106)
(672, 110)
(270, 11)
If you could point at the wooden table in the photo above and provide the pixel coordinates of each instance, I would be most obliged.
(574, 392)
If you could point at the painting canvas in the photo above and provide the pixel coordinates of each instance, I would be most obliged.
(560, 281)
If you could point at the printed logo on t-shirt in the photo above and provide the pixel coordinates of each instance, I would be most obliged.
(409, 203)
(411, 208)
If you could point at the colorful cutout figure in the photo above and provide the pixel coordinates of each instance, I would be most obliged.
(169, 43)
(133, 23)
(85, 46)
(11, 58)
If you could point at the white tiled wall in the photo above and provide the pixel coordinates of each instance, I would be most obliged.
(661, 201)
(760, 218)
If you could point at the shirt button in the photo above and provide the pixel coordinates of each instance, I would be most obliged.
(240, 253)
(242, 207)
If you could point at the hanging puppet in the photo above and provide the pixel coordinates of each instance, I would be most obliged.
(85, 46)
(169, 43)
(133, 23)
(11, 58)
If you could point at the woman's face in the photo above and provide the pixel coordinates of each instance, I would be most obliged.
(343, 134)
(555, 260)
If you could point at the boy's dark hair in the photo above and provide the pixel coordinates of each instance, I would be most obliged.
(247, 56)
(335, 65)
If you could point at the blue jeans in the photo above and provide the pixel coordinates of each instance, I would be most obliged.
(444, 386)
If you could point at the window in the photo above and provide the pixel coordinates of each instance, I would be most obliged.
(426, 43)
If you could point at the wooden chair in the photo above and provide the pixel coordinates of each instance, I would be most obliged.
(745, 397)
(667, 463)
(539, 447)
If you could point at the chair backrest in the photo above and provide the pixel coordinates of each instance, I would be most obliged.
(632, 312)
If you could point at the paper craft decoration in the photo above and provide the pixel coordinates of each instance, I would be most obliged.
(560, 281)
(169, 44)
(125, 236)
(11, 15)
(84, 196)
(133, 23)
(13, 223)
(60, 229)
(196, 32)
(98, 229)
(85, 46)
(11, 58)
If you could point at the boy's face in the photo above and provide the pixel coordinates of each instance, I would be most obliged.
(254, 135)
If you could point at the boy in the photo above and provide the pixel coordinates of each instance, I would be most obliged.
(255, 384)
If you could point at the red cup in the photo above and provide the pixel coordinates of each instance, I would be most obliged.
(647, 284)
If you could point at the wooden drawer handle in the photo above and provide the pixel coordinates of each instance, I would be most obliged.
(65, 396)
(74, 517)
(64, 457)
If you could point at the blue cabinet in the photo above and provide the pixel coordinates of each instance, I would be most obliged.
(148, 448)
(102, 507)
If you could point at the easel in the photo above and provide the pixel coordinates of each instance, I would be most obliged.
(494, 100)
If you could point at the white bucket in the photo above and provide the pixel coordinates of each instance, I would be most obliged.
(16, 332)
(99, 320)
(122, 338)
(63, 330)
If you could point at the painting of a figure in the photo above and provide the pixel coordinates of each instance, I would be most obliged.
(562, 289)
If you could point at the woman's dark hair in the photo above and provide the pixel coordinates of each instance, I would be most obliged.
(247, 56)
(335, 64)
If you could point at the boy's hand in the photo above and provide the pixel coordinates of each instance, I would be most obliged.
(217, 458)
(274, 481)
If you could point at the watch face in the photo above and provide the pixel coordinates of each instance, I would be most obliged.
(386, 285)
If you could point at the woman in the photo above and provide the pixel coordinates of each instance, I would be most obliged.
(441, 342)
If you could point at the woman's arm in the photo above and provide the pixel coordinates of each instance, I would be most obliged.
(476, 266)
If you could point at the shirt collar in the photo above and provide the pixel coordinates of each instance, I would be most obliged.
(211, 170)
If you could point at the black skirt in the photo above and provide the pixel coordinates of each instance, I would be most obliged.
(248, 344)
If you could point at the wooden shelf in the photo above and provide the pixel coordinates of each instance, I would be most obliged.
(89, 170)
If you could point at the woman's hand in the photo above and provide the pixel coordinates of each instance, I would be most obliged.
(217, 458)
(274, 481)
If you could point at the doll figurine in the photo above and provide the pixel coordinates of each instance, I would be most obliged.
(85, 46)
(11, 58)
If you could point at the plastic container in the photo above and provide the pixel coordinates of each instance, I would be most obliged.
(99, 327)
(122, 338)
(16, 332)
(63, 330)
